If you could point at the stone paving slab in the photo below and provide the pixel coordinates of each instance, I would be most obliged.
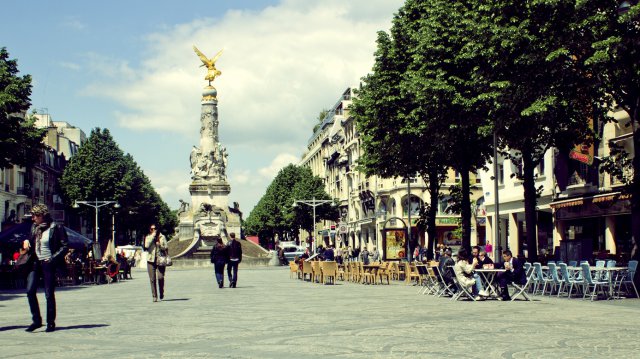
(270, 315)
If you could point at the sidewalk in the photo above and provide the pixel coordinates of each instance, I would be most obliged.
(272, 316)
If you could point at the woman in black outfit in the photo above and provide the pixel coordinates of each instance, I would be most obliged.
(219, 257)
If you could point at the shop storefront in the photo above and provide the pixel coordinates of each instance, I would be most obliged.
(593, 227)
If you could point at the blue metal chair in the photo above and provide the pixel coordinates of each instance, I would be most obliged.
(567, 281)
(589, 281)
(627, 278)
(552, 279)
(539, 278)
(573, 263)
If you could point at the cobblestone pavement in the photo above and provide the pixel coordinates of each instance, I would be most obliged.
(270, 315)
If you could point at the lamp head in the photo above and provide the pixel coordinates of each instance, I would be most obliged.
(116, 205)
(75, 204)
(295, 204)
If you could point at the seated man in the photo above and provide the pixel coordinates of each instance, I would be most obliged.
(445, 267)
(514, 273)
(466, 276)
(483, 259)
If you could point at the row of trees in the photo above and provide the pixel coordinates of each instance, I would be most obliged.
(450, 75)
(275, 214)
(101, 171)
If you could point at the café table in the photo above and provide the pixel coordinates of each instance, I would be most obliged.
(611, 272)
(488, 276)
(371, 271)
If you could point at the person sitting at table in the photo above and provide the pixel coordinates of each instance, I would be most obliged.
(466, 276)
(475, 251)
(514, 273)
(483, 260)
(444, 266)
(328, 254)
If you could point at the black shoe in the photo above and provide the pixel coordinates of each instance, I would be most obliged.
(33, 327)
(161, 296)
(50, 328)
(220, 284)
(233, 285)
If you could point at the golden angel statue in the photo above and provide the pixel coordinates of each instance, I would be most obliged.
(212, 72)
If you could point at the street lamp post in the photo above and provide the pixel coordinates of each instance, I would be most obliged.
(96, 205)
(313, 203)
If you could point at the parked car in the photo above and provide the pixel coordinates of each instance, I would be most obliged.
(291, 250)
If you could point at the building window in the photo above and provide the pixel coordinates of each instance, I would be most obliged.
(501, 174)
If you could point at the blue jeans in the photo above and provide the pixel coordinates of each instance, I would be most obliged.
(219, 270)
(48, 272)
(477, 288)
(232, 268)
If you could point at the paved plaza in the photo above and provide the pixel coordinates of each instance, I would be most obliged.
(270, 315)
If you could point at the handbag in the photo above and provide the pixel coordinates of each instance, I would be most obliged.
(163, 259)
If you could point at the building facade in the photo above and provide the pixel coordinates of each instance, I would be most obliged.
(370, 206)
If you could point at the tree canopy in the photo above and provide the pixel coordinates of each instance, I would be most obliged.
(20, 140)
(101, 171)
(275, 213)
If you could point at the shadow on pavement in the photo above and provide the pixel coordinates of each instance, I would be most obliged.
(175, 299)
(82, 326)
(13, 327)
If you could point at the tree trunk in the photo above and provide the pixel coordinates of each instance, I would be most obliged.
(434, 190)
(635, 185)
(465, 211)
(530, 202)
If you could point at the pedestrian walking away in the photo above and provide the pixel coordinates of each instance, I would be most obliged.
(235, 257)
(154, 243)
(46, 247)
(219, 257)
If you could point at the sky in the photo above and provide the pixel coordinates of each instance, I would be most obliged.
(129, 66)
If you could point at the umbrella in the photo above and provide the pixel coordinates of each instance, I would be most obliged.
(15, 235)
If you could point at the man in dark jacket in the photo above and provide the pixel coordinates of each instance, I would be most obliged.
(514, 273)
(235, 257)
(47, 247)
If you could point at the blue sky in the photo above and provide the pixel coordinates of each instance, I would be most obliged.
(128, 66)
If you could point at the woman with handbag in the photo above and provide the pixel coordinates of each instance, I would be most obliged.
(42, 253)
(155, 243)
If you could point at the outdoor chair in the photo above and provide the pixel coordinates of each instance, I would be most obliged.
(293, 270)
(567, 281)
(627, 279)
(446, 288)
(329, 272)
(589, 281)
(394, 270)
(598, 274)
(553, 281)
(573, 263)
(307, 269)
(410, 274)
(424, 280)
(605, 274)
(461, 292)
(317, 272)
(539, 278)
(521, 289)
(384, 272)
(342, 272)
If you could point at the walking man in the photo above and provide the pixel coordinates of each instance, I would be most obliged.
(235, 257)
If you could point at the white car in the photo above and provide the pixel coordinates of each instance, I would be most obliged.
(291, 250)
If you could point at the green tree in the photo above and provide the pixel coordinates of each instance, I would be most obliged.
(542, 95)
(101, 171)
(614, 33)
(20, 140)
(275, 214)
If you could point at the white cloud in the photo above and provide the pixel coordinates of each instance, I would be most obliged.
(70, 65)
(280, 67)
(281, 161)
